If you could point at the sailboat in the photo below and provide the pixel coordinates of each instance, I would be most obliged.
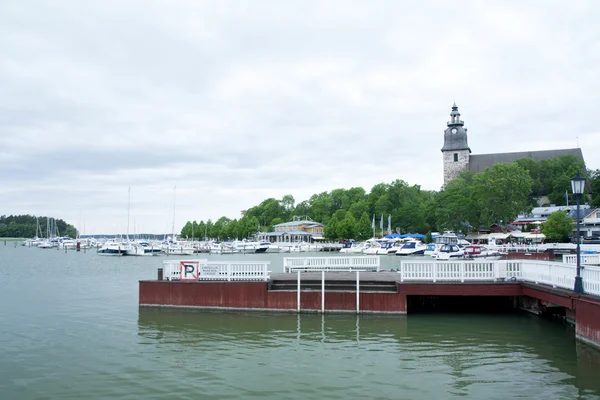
(131, 249)
(173, 246)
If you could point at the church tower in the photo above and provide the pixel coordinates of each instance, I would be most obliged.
(456, 151)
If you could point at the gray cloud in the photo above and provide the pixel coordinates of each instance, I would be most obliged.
(234, 102)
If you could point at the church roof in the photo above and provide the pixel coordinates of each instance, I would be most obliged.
(478, 162)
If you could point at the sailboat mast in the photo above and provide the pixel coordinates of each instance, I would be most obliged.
(128, 207)
(173, 227)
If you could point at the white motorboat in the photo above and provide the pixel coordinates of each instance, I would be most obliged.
(371, 247)
(386, 248)
(430, 249)
(412, 248)
(150, 249)
(112, 248)
(221, 248)
(354, 248)
(271, 247)
(250, 247)
(448, 251)
(295, 247)
(476, 251)
(134, 249)
(178, 248)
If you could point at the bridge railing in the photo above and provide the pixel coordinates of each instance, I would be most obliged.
(549, 273)
(352, 263)
(591, 280)
(220, 270)
(459, 271)
(586, 259)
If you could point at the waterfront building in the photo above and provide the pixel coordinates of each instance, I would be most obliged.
(294, 231)
(457, 155)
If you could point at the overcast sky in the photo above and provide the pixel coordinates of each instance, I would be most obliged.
(234, 102)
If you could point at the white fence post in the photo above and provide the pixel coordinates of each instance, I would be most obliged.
(298, 300)
(322, 291)
(357, 292)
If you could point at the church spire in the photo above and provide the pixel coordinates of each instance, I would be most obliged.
(455, 117)
(456, 151)
(455, 136)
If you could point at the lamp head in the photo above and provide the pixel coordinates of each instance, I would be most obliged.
(577, 184)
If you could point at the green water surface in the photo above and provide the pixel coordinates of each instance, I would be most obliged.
(70, 328)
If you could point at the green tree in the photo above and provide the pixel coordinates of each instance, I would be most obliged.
(302, 209)
(320, 207)
(363, 227)
(339, 200)
(218, 229)
(186, 231)
(275, 221)
(594, 183)
(346, 228)
(359, 208)
(502, 192)
(383, 205)
(287, 202)
(558, 227)
(356, 195)
(330, 231)
(231, 230)
(428, 237)
(456, 205)
(24, 226)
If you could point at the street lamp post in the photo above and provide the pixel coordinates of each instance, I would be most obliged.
(577, 185)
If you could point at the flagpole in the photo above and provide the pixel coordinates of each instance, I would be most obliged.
(373, 226)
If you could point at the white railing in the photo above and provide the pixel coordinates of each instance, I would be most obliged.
(459, 271)
(586, 259)
(550, 273)
(353, 263)
(221, 270)
(516, 248)
(591, 279)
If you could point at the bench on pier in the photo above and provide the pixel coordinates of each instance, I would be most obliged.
(317, 264)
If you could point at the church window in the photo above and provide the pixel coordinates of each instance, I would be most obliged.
(455, 157)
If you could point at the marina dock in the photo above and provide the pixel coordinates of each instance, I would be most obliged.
(353, 285)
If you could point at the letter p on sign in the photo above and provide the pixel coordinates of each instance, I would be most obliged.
(188, 270)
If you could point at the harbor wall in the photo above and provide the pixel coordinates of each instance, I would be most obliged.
(587, 317)
(585, 310)
(255, 296)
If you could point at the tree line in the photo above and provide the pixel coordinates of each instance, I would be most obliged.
(26, 226)
(467, 203)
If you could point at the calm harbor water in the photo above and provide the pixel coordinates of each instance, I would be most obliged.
(71, 328)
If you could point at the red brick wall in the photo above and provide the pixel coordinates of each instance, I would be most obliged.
(556, 296)
(587, 317)
(255, 295)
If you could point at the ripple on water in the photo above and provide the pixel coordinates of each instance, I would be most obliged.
(74, 331)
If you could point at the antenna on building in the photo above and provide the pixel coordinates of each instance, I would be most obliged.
(577, 137)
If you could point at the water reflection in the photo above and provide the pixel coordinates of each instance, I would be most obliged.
(518, 354)
(156, 323)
